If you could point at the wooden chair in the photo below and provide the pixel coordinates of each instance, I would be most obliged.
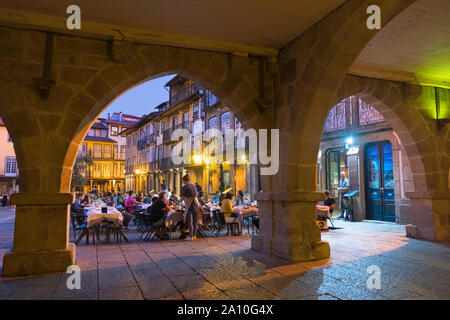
(229, 224)
(78, 220)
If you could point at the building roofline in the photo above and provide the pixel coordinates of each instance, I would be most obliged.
(177, 78)
(144, 120)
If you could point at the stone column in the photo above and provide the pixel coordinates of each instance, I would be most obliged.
(430, 216)
(288, 226)
(41, 235)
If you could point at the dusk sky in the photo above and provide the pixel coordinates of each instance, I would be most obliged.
(141, 99)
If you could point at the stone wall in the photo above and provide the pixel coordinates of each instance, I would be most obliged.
(309, 78)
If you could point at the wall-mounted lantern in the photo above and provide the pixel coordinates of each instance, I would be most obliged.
(440, 123)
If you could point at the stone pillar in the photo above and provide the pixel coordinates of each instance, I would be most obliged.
(430, 216)
(288, 226)
(41, 235)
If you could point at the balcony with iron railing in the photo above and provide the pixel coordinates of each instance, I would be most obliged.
(185, 93)
(119, 156)
(102, 155)
(351, 114)
(167, 134)
(151, 138)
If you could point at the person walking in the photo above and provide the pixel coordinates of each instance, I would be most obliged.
(4, 200)
(189, 195)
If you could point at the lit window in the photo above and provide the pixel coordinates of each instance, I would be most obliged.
(212, 122)
(196, 114)
(225, 121)
(114, 130)
(10, 166)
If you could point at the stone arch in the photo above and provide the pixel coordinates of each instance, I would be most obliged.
(211, 70)
(319, 60)
(25, 130)
(407, 122)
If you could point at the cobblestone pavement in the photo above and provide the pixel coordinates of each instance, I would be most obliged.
(225, 268)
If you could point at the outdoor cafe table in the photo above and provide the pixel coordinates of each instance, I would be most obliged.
(143, 206)
(174, 217)
(96, 217)
(246, 212)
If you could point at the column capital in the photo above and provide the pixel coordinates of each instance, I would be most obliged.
(290, 196)
(40, 199)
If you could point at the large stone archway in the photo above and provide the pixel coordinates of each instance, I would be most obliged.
(311, 71)
(47, 130)
(293, 95)
(407, 110)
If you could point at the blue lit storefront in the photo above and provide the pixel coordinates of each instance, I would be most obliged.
(363, 146)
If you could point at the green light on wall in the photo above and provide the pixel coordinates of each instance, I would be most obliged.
(442, 116)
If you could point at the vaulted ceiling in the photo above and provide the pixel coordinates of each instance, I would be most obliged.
(413, 47)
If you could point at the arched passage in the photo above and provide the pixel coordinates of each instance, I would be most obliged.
(311, 69)
(397, 104)
(47, 130)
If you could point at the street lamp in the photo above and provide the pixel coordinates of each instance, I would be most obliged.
(197, 159)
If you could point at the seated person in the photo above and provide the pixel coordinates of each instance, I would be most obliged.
(159, 208)
(329, 201)
(77, 206)
(227, 208)
(216, 197)
(148, 199)
(130, 202)
(200, 198)
(85, 200)
(240, 199)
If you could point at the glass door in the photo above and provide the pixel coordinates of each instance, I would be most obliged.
(379, 168)
(336, 163)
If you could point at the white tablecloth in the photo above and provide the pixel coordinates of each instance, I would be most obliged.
(143, 206)
(247, 212)
(95, 216)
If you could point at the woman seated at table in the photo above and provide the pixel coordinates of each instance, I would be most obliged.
(240, 199)
(130, 202)
(227, 208)
(159, 209)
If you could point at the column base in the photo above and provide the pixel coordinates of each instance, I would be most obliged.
(287, 226)
(429, 216)
(295, 251)
(38, 262)
(299, 251)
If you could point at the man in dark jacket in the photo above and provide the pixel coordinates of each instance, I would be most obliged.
(189, 195)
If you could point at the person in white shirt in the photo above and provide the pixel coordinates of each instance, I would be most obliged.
(344, 187)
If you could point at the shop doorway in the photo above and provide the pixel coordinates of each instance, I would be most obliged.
(379, 181)
(336, 163)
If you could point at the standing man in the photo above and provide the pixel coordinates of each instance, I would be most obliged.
(198, 187)
(344, 187)
(189, 195)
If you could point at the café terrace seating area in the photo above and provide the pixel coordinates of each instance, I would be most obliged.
(98, 223)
